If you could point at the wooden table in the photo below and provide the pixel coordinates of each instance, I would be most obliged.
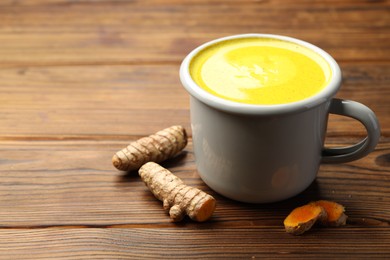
(81, 79)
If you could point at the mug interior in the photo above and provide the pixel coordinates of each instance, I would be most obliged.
(235, 107)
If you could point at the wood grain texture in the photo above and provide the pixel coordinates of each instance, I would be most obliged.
(123, 32)
(60, 183)
(140, 100)
(79, 80)
(178, 243)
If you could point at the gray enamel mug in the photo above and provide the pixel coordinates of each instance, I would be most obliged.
(268, 153)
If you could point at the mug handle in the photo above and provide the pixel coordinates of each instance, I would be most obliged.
(367, 118)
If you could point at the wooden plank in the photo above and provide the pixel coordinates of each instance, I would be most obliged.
(178, 243)
(286, 3)
(132, 100)
(67, 32)
(73, 183)
(109, 101)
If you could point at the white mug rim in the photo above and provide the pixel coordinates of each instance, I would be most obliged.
(235, 107)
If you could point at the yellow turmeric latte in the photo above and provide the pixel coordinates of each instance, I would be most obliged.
(260, 71)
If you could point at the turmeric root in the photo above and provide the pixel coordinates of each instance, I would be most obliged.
(303, 218)
(178, 199)
(156, 148)
(335, 213)
(327, 213)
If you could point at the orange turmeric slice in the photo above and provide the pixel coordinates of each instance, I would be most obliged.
(335, 213)
(303, 218)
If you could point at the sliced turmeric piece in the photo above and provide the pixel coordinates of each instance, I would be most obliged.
(158, 147)
(178, 199)
(335, 213)
(303, 218)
